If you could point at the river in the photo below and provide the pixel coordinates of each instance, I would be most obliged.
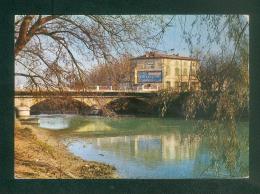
(160, 148)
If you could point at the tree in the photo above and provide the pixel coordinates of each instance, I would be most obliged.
(223, 52)
(225, 95)
(117, 73)
(223, 71)
(50, 49)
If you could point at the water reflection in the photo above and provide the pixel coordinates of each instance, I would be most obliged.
(143, 156)
(151, 148)
(93, 126)
(154, 148)
(54, 122)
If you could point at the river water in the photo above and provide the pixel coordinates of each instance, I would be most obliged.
(160, 148)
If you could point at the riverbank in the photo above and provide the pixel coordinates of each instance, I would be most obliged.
(40, 156)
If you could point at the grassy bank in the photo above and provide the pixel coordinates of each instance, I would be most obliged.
(38, 155)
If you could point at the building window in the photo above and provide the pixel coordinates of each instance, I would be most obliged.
(193, 71)
(168, 84)
(177, 71)
(167, 70)
(184, 86)
(193, 86)
(185, 72)
(177, 85)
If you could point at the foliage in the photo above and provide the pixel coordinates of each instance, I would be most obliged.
(163, 100)
(130, 106)
(231, 156)
(224, 88)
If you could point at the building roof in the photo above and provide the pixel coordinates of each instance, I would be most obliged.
(157, 55)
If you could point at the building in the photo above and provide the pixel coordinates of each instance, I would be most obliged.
(161, 71)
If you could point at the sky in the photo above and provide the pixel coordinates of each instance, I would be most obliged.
(173, 38)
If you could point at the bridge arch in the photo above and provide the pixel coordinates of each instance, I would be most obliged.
(25, 100)
(130, 105)
(59, 105)
(27, 105)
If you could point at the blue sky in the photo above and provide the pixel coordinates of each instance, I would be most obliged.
(173, 38)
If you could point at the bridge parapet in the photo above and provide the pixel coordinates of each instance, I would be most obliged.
(106, 88)
(85, 93)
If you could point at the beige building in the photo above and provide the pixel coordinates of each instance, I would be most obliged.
(157, 70)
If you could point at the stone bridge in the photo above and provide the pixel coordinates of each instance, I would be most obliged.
(24, 100)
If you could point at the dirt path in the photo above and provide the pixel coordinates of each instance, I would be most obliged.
(38, 155)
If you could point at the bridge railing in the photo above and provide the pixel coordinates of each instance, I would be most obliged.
(99, 88)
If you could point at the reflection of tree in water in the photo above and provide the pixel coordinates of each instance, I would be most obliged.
(224, 95)
(228, 150)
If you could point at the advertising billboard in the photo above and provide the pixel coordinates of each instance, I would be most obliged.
(149, 76)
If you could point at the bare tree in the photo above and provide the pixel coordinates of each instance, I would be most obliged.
(50, 49)
(116, 73)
